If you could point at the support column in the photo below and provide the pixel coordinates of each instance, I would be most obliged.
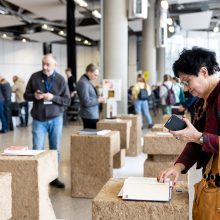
(115, 45)
(70, 39)
(148, 60)
(160, 63)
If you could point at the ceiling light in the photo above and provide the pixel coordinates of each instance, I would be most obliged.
(97, 14)
(78, 39)
(62, 33)
(4, 35)
(81, 3)
(169, 21)
(171, 29)
(24, 40)
(216, 29)
(87, 42)
(3, 10)
(46, 27)
(164, 4)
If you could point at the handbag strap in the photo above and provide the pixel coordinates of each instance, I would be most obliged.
(209, 166)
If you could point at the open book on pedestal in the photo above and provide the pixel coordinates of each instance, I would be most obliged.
(146, 189)
(89, 131)
(20, 151)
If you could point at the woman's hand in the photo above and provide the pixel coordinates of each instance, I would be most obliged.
(189, 134)
(174, 171)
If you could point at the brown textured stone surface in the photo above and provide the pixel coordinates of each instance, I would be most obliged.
(30, 178)
(153, 168)
(135, 134)
(92, 162)
(5, 196)
(158, 127)
(108, 206)
(123, 126)
(119, 159)
(160, 144)
(164, 119)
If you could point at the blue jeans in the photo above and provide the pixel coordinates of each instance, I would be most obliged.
(142, 106)
(53, 127)
(3, 116)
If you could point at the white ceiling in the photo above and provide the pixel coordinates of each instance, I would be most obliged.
(201, 20)
(92, 31)
(49, 9)
(43, 36)
(9, 20)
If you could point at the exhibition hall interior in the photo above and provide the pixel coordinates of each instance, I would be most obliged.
(97, 98)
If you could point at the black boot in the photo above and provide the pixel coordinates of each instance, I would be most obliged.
(57, 183)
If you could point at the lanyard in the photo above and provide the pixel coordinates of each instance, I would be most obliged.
(49, 85)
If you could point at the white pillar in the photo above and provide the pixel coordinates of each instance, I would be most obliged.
(115, 45)
(148, 60)
(161, 63)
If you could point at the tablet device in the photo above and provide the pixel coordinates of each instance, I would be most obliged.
(175, 123)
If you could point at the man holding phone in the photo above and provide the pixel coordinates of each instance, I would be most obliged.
(49, 93)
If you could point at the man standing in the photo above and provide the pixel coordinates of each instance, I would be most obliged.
(49, 93)
(18, 88)
(88, 96)
(71, 83)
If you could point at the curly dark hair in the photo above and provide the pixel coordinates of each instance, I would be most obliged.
(191, 61)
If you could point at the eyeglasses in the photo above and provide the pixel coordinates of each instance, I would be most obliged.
(184, 83)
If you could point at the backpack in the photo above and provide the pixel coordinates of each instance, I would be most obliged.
(170, 99)
(143, 95)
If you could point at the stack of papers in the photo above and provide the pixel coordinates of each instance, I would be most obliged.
(20, 151)
(146, 189)
(94, 132)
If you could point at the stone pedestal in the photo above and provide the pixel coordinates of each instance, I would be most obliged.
(162, 149)
(123, 126)
(119, 159)
(31, 176)
(135, 135)
(5, 196)
(107, 205)
(159, 128)
(162, 144)
(92, 162)
(154, 164)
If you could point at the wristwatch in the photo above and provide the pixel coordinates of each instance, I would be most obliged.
(201, 139)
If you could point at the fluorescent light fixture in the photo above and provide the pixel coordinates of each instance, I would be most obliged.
(164, 4)
(97, 14)
(81, 3)
(171, 29)
(216, 29)
(4, 35)
(169, 21)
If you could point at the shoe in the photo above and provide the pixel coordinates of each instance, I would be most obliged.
(3, 131)
(57, 183)
(150, 125)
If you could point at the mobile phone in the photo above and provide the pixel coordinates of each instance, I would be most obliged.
(175, 123)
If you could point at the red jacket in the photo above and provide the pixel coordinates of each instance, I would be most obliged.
(207, 122)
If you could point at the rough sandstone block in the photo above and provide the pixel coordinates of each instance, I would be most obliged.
(92, 162)
(159, 127)
(124, 126)
(31, 176)
(135, 134)
(157, 163)
(119, 159)
(155, 143)
(107, 205)
(5, 196)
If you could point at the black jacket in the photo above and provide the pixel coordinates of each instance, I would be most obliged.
(59, 89)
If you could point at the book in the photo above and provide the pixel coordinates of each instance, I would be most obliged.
(22, 152)
(15, 149)
(89, 131)
(146, 189)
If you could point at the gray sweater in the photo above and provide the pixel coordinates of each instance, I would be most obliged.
(88, 99)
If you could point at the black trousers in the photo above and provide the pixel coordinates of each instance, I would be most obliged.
(89, 123)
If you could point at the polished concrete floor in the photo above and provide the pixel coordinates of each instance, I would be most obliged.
(64, 205)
